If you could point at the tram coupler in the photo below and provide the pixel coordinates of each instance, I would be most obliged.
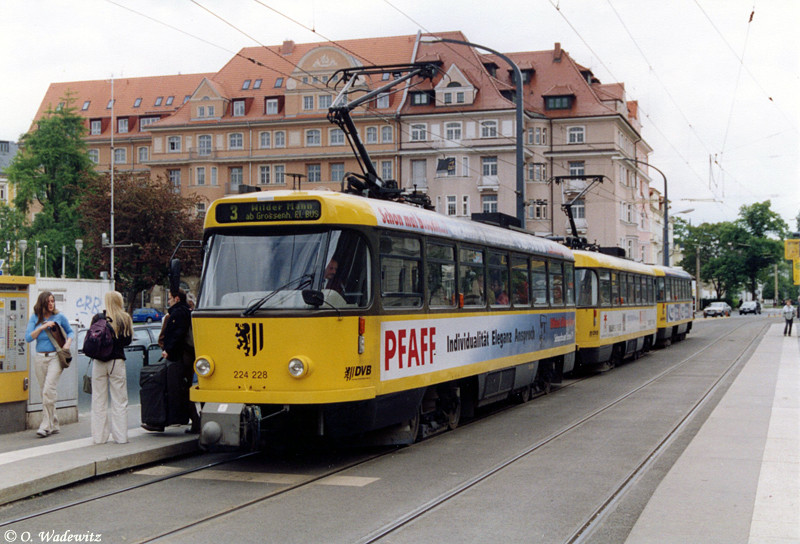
(220, 425)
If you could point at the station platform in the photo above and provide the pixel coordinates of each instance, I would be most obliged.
(737, 481)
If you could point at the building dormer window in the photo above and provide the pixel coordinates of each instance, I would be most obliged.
(238, 108)
(170, 99)
(279, 83)
(271, 106)
(382, 101)
(257, 84)
(95, 127)
(558, 102)
(86, 105)
(159, 100)
(122, 125)
(420, 98)
(110, 103)
(246, 84)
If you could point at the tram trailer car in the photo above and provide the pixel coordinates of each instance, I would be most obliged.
(328, 314)
(675, 304)
(616, 314)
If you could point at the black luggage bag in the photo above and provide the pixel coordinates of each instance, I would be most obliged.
(164, 394)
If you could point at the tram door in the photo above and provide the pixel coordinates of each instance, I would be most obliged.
(15, 384)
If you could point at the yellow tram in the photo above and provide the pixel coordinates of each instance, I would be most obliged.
(675, 304)
(329, 314)
(616, 315)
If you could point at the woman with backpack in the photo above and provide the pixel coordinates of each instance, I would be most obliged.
(45, 362)
(108, 375)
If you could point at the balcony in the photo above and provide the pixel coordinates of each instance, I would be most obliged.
(488, 183)
(574, 186)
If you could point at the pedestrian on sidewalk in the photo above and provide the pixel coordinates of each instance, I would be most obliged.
(788, 315)
(109, 377)
(45, 361)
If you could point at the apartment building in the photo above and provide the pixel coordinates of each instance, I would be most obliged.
(8, 150)
(261, 121)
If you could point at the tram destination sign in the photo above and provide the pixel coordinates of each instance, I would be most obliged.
(273, 210)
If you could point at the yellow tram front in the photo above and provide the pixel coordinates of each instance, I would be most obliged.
(616, 314)
(675, 303)
(340, 314)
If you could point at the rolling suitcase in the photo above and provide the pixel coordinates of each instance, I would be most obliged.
(153, 394)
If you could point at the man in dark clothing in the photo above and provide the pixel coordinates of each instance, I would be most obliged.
(178, 345)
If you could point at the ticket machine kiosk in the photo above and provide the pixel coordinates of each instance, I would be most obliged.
(15, 382)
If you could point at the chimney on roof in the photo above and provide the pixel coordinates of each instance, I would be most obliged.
(557, 52)
(287, 47)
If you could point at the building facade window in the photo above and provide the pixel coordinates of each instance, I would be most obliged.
(174, 177)
(576, 135)
(280, 138)
(372, 135)
(236, 140)
(337, 171)
(313, 137)
(419, 132)
(452, 131)
(201, 175)
(489, 166)
(419, 173)
(235, 175)
(174, 144)
(577, 168)
(204, 145)
(280, 174)
(336, 136)
(489, 203)
(144, 154)
(314, 172)
(465, 205)
(387, 134)
(451, 204)
(264, 174)
(94, 155)
(308, 103)
(324, 101)
(264, 140)
(579, 209)
(488, 129)
(120, 155)
(386, 170)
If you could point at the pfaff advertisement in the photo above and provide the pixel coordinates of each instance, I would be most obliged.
(415, 347)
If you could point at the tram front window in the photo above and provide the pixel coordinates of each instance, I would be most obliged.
(271, 271)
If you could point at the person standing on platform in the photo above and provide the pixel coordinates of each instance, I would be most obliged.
(110, 377)
(788, 315)
(45, 362)
(178, 346)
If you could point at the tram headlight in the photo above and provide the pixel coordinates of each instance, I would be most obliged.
(204, 367)
(299, 367)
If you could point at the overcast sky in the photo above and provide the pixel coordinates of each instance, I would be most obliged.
(712, 85)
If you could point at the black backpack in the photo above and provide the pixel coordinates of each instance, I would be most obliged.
(99, 341)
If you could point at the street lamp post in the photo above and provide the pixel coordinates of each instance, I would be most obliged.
(666, 205)
(520, 191)
(78, 248)
(23, 245)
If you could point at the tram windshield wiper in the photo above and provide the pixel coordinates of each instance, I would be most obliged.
(306, 280)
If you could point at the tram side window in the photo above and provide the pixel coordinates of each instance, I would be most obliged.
(615, 289)
(472, 276)
(539, 282)
(637, 286)
(660, 289)
(588, 287)
(668, 285)
(401, 259)
(347, 269)
(520, 281)
(651, 291)
(441, 275)
(556, 284)
(605, 287)
(569, 283)
(498, 279)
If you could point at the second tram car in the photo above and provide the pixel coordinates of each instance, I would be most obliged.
(616, 315)
(329, 314)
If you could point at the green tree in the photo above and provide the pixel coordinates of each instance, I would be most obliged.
(49, 173)
(720, 246)
(147, 213)
(764, 247)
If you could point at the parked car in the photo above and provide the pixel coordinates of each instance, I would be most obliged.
(750, 307)
(717, 309)
(146, 315)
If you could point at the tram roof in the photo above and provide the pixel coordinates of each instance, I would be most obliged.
(672, 272)
(593, 259)
(342, 208)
